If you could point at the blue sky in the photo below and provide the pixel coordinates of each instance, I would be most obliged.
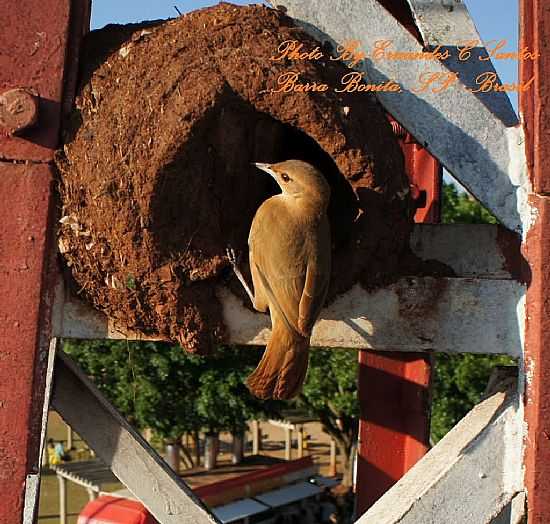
(495, 20)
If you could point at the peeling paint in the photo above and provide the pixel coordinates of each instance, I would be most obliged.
(521, 313)
(519, 176)
(529, 374)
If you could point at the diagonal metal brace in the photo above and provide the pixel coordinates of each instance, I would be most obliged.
(474, 144)
(118, 445)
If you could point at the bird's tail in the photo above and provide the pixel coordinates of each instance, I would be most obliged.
(282, 370)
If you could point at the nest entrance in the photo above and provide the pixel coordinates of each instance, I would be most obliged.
(156, 174)
(220, 157)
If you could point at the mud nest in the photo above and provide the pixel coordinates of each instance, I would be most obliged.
(156, 178)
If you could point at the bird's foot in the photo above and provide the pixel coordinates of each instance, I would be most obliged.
(233, 258)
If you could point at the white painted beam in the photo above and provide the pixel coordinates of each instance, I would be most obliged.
(443, 22)
(32, 482)
(123, 449)
(473, 475)
(450, 315)
(448, 23)
(476, 314)
(470, 250)
(454, 124)
(455, 315)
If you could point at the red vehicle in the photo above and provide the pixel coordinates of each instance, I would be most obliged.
(114, 510)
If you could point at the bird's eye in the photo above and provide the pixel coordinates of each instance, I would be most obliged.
(285, 177)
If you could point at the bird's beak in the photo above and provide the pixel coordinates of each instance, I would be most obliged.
(266, 168)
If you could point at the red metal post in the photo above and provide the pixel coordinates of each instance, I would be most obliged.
(24, 328)
(535, 110)
(394, 423)
(425, 175)
(394, 389)
(35, 35)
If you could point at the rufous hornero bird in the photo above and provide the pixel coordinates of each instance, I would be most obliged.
(289, 256)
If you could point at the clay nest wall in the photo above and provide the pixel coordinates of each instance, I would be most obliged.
(155, 173)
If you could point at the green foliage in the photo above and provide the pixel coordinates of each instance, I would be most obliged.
(224, 402)
(459, 207)
(331, 385)
(459, 383)
(162, 387)
(330, 394)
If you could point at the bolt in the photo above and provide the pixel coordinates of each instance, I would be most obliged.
(18, 110)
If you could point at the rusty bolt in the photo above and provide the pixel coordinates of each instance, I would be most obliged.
(18, 110)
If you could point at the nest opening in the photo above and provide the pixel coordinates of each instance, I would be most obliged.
(224, 148)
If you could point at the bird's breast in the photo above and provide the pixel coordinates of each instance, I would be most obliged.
(285, 239)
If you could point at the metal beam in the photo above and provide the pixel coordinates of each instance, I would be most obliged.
(32, 483)
(535, 33)
(447, 23)
(26, 288)
(414, 314)
(472, 475)
(443, 22)
(394, 434)
(455, 125)
(118, 445)
(34, 80)
(470, 250)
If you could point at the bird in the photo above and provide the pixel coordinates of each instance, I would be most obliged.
(290, 263)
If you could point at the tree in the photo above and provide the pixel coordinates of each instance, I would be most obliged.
(460, 207)
(330, 394)
(224, 402)
(162, 387)
(154, 385)
(459, 383)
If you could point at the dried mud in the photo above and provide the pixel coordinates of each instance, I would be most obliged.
(156, 178)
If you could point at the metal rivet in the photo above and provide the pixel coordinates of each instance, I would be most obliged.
(18, 110)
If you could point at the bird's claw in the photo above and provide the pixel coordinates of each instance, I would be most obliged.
(232, 256)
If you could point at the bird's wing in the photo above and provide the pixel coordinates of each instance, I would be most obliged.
(277, 262)
(283, 296)
(313, 298)
(316, 281)
(261, 300)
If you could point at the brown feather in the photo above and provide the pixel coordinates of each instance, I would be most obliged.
(289, 245)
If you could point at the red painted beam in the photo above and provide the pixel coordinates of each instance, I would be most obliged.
(26, 291)
(38, 36)
(535, 109)
(394, 423)
(425, 174)
(534, 103)
(35, 33)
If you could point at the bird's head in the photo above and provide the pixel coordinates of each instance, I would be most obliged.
(299, 180)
